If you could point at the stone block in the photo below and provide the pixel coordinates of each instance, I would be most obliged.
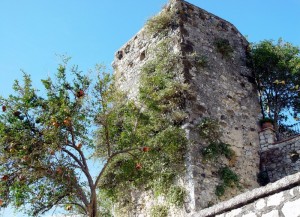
(291, 208)
(260, 204)
(275, 199)
(273, 213)
(252, 214)
(234, 213)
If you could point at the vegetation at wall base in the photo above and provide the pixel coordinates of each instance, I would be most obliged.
(229, 180)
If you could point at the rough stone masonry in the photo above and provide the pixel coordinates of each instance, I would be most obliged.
(224, 91)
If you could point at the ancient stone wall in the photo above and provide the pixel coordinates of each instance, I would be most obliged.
(224, 92)
(281, 198)
(279, 159)
(213, 61)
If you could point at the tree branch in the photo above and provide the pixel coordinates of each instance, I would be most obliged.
(84, 163)
(110, 159)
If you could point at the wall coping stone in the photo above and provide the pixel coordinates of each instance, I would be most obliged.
(287, 140)
(285, 183)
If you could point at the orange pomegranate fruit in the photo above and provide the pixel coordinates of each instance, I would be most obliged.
(80, 93)
(146, 149)
(3, 108)
(5, 178)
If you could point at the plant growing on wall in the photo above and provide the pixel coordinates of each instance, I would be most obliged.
(229, 179)
(156, 124)
(223, 46)
(159, 211)
(209, 131)
(277, 73)
(199, 61)
(160, 23)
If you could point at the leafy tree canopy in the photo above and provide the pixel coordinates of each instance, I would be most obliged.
(277, 72)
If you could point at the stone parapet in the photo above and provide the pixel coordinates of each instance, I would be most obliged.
(281, 198)
(279, 159)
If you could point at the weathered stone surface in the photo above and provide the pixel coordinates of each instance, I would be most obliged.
(223, 90)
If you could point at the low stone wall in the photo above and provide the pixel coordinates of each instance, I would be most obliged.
(281, 198)
(279, 159)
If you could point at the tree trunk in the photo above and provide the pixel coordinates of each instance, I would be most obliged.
(92, 209)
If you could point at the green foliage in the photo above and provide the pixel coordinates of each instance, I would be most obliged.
(229, 179)
(198, 60)
(159, 211)
(156, 126)
(176, 195)
(215, 150)
(209, 130)
(277, 73)
(160, 23)
(223, 46)
(160, 87)
(37, 135)
(220, 190)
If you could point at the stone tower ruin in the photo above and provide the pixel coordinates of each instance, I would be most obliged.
(213, 61)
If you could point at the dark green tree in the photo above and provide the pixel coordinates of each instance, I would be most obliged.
(277, 72)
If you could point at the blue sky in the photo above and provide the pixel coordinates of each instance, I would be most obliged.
(34, 32)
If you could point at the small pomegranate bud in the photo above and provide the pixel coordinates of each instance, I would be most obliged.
(59, 170)
(55, 124)
(79, 145)
(67, 121)
(138, 166)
